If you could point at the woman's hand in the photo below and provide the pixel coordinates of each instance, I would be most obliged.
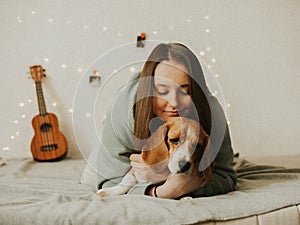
(180, 184)
(154, 174)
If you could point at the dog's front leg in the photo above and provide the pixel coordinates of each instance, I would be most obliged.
(123, 187)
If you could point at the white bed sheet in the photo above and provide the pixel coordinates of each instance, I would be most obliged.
(50, 193)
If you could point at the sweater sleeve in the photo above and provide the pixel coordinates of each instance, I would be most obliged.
(116, 139)
(111, 164)
(113, 160)
(223, 173)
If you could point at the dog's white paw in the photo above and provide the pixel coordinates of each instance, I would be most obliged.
(103, 192)
(127, 182)
(108, 192)
(111, 191)
(186, 198)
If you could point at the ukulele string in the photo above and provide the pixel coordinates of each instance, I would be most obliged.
(47, 123)
(47, 152)
(47, 129)
(49, 136)
(42, 116)
(52, 147)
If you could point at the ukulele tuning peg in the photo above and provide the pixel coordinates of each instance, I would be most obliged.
(44, 74)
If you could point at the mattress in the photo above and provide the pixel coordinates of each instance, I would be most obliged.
(50, 193)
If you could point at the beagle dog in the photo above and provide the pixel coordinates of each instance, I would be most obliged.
(180, 142)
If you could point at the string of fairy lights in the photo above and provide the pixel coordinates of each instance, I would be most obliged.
(203, 53)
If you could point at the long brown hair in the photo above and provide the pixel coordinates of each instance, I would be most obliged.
(143, 109)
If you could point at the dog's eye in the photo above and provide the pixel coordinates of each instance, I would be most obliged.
(174, 141)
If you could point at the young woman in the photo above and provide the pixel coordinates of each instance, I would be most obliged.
(171, 84)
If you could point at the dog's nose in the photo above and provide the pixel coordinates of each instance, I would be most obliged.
(184, 165)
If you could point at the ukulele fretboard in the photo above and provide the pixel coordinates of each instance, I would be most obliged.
(40, 98)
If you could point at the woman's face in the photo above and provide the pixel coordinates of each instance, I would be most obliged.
(171, 93)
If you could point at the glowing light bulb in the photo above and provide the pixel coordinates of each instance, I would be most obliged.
(23, 116)
(54, 104)
(213, 60)
(104, 28)
(79, 70)
(132, 69)
(46, 59)
(206, 17)
(207, 30)
(21, 104)
(155, 32)
(217, 76)
(88, 115)
(228, 105)
(63, 66)
(70, 110)
(16, 121)
(12, 137)
(202, 53)
(19, 19)
(33, 12)
(5, 148)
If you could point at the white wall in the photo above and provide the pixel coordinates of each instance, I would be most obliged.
(255, 46)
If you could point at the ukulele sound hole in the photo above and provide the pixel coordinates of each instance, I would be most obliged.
(45, 127)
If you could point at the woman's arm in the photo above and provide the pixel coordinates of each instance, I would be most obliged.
(177, 185)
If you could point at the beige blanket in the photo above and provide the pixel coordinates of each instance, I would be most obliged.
(50, 193)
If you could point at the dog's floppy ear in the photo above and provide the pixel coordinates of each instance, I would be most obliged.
(155, 149)
(207, 158)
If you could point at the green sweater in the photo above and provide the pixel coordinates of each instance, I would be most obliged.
(115, 146)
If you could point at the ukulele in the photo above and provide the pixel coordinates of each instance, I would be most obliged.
(48, 143)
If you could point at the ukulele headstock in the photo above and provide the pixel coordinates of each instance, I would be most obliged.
(37, 72)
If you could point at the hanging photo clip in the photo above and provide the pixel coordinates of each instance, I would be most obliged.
(95, 78)
(141, 40)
